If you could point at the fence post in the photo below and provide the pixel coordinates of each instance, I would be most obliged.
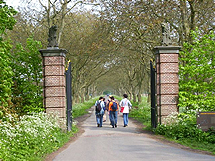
(153, 100)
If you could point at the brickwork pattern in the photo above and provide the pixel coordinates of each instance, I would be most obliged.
(55, 92)
(169, 58)
(55, 81)
(54, 70)
(167, 109)
(55, 85)
(167, 83)
(57, 60)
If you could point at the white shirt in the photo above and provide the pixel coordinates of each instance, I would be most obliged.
(126, 104)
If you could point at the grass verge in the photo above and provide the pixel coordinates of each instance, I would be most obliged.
(142, 113)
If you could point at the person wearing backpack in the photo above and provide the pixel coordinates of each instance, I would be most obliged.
(99, 111)
(114, 111)
(105, 109)
(125, 106)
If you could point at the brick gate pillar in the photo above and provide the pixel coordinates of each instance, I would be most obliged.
(54, 82)
(167, 80)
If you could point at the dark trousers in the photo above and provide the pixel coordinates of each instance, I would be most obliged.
(113, 117)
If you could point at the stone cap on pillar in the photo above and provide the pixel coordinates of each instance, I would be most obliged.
(53, 52)
(167, 49)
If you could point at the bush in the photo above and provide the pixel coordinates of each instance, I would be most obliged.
(27, 69)
(7, 21)
(197, 73)
(142, 112)
(183, 126)
(31, 137)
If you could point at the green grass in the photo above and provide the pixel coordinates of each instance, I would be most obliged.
(81, 108)
(204, 146)
(142, 112)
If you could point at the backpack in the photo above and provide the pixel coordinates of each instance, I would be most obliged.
(114, 106)
(98, 106)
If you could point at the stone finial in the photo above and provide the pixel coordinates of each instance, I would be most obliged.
(53, 37)
(166, 40)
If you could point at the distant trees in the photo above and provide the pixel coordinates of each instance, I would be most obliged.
(136, 27)
(110, 48)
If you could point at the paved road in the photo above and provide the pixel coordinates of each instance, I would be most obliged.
(120, 144)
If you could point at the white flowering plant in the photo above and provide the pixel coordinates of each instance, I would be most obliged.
(30, 138)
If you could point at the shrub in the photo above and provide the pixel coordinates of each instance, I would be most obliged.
(27, 78)
(184, 127)
(31, 137)
(7, 21)
(197, 73)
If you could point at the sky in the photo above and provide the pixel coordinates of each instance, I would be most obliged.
(14, 3)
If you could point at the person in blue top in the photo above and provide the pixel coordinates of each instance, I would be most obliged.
(99, 111)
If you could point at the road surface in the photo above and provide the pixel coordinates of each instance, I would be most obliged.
(122, 144)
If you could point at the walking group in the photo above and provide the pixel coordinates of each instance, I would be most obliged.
(113, 108)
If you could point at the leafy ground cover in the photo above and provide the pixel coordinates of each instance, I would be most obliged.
(142, 112)
(33, 136)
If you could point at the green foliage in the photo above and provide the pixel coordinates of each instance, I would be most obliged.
(197, 74)
(81, 108)
(32, 137)
(5, 73)
(142, 112)
(106, 92)
(27, 68)
(182, 127)
(7, 20)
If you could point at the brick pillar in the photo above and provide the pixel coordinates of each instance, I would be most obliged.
(54, 82)
(167, 80)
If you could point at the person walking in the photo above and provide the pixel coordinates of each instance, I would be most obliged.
(113, 111)
(99, 111)
(105, 109)
(125, 105)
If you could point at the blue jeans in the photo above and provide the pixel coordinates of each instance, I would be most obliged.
(113, 117)
(125, 119)
(99, 119)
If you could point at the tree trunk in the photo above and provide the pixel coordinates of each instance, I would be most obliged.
(82, 97)
(86, 94)
(139, 98)
(134, 97)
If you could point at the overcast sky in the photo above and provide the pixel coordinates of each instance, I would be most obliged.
(13, 3)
